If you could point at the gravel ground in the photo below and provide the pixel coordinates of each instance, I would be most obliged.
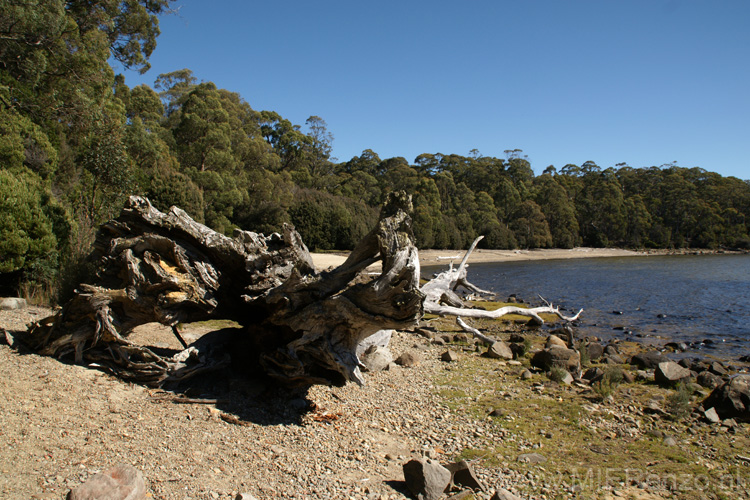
(61, 423)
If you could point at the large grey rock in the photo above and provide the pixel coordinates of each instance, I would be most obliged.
(408, 360)
(499, 350)
(503, 494)
(449, 356)
(121, 482)
(731, 399)
(12, 303)
(712, 416)
(381, 338)
(376, 358)
(463, 475)
(595, 350)
(709, 380)
(427, 478)
(554, 340)
(669, 373)
(647, 360)
(557, 357)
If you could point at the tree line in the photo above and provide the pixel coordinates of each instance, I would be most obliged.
(75, 141)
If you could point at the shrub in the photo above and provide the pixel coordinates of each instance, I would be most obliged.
(678, 403)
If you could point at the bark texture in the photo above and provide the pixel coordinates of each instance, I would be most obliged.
(300, 326)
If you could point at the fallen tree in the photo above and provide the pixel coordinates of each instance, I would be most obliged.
(299, 326)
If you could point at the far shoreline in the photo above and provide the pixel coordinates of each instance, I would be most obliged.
(433, 257)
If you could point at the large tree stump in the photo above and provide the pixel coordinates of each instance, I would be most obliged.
(300, 326)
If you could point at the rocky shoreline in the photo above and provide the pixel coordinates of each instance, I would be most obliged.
(610, 430)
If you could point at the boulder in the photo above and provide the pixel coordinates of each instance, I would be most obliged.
(499, 350)
(647, 360)
(709, 380)
(381, 338)
(408, 360)
(427, 478)
(12, 303)
(463, 475)
(554, 340)
(613, 359)
(376, 358)
(718, 369)
(712, 416)
(669, 373)
(121, 482)
(731, 399)
(449, 356)
(559, 357)
(595, 350)
(516, 337)
(503, 494)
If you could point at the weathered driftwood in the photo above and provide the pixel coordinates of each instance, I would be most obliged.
(300, 326)
(441, 299)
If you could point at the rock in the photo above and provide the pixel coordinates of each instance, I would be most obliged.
(381, 338)
(121, 482)
(611, 349)
(499, 350)
(463, 475)
(517, 337)
(676, 346)
(670, 441)
(628, 377)
(567, 379)
(593, 374)
(712, 416)
(669, 373)
(718, 369)
(503, 494)
(709, 380)
(647, 360)
(245, 496)
(554, 340)
(12, 303)
(532, 458)
(376, 358)
(408, 360)
(595, 350)
(496, 412)
(427, 478)
(517, 349)
(731, 399)
(559, 357)
(614, 359)
(526, 375)
(449, 356)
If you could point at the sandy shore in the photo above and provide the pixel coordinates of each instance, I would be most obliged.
(438, 257)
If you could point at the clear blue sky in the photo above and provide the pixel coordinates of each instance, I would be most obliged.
(644, 82)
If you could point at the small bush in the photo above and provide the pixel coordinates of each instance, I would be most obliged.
(678, 403)
(557, 374)
(609, 382)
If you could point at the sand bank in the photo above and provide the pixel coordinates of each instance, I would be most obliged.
(439, 257)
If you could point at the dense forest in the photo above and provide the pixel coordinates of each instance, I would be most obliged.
(75, 141)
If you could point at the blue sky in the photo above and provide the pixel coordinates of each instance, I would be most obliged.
(645, 82)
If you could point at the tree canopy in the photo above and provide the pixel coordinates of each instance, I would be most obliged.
(75, 140)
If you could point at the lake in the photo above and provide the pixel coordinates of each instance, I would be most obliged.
(702, 300)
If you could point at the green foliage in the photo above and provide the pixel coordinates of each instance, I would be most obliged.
(78, 141)
(678, 402)
(609, 382)
(28, 246)
(557, 374)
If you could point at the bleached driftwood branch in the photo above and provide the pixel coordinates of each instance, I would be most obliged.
(441, 299)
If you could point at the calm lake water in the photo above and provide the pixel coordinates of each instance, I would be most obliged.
(689, 299)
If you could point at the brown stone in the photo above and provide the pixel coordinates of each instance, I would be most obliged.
(121, 482)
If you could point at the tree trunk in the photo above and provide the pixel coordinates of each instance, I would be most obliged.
(299, 326)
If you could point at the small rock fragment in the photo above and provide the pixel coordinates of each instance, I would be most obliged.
(121, 482)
